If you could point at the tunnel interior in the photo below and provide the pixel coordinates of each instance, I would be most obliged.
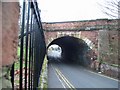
(73, 50)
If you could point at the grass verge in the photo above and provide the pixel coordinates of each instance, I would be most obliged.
(43, 78)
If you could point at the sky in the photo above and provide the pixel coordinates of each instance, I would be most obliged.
(70, 10)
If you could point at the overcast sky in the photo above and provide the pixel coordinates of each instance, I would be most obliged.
(70, 10)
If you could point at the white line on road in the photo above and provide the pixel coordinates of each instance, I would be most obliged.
(104, 76)
(62, 78)
(58, 77)
(65, 80)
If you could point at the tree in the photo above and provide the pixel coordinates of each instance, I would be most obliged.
(111, 8)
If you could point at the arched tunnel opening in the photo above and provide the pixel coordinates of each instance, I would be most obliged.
(73, 50)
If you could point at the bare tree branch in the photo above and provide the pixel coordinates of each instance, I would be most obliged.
(112, 16)
(111, 8)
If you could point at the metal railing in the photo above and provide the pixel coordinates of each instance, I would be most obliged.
(32, 48)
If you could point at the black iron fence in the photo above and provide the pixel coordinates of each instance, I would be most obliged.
(31, 50)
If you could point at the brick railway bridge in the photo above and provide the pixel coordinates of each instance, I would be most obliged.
(83, 40)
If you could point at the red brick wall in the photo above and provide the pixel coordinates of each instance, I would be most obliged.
(76, 25)
(10, 16)
(49, 36)
(91, 35)
(113, 45)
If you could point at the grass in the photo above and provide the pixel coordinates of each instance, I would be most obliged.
(17, 66)
(43, 78)
(114, 65)
(17, 63)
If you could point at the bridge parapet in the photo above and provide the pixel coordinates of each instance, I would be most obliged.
(87, 25)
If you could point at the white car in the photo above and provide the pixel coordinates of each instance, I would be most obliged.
(54, 52)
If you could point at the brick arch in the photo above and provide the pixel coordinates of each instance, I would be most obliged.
(87, 36)
(91, 38)
(50, 36)
(88, 54)
(87, 40)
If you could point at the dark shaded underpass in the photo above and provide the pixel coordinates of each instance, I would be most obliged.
(73, 50)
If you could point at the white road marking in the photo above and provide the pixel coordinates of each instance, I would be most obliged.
(65, 80)
(103, 76)
(58, 77)
(62, 78)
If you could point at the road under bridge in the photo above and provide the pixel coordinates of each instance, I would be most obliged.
(73, 50)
